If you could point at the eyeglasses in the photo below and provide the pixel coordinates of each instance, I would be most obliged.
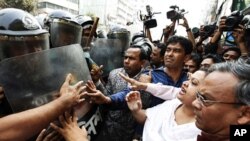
(206, 103)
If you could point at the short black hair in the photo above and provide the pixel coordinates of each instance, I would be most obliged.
(236, 49)
(161, 46)
(196, 58)
(184, 42)
(145, 51)
(215, 57)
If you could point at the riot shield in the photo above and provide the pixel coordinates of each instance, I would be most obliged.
(109, 53)
(34, 79)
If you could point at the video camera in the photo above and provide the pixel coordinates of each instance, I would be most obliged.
(147, 19)
(175, 13)
(233, 20)
(236, 18)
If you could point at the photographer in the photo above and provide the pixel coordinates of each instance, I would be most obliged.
(205, 33)
(213, 45)
(239, 36)
(219, 31)
(239, 39)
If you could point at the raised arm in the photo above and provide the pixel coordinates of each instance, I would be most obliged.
(113, 102)
(189, 33)
(134, 102)
(219, 31)
(162, 91)
(21, 126)
(239, 35)
(168, 31)
(70, 130)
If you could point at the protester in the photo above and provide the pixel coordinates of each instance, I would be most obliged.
(170, 119)
(119, 124)
(178, 50)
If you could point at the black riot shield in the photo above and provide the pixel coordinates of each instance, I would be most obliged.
(32, 80)
(109, 53)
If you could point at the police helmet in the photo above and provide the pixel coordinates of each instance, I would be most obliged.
(20, 33)
(137, 37)
(41, 18)
(84, 21)
(118, 33)
(146, 47)
(64, 30)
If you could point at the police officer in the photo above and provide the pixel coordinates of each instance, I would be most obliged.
(87, 23)
(63, 29)
(20, 34)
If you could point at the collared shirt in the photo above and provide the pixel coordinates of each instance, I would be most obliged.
(116, 83)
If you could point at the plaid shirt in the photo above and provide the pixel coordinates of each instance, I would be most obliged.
(119, 125)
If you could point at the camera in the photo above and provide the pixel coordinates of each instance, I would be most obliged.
(208, 30)
(147, 19)
(233, 20)
(196, 32)
(175, 13)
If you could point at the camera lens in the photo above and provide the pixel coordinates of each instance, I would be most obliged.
(195, 32)
(231, 21)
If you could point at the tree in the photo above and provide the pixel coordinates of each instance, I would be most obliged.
(27, 5)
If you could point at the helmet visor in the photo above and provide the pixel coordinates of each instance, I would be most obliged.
(11, 46)
(64, 33)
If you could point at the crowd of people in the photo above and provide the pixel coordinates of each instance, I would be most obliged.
(175, 89)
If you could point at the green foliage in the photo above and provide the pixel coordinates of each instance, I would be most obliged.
(27, 5)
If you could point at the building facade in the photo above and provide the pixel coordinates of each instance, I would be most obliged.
(112, 12)
(46, 6)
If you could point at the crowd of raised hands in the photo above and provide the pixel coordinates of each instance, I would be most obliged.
(66, 127)
(26, 124)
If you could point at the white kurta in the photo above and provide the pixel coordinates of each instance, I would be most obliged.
(161, 125)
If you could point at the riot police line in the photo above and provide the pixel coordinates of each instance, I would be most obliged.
(36, 59)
